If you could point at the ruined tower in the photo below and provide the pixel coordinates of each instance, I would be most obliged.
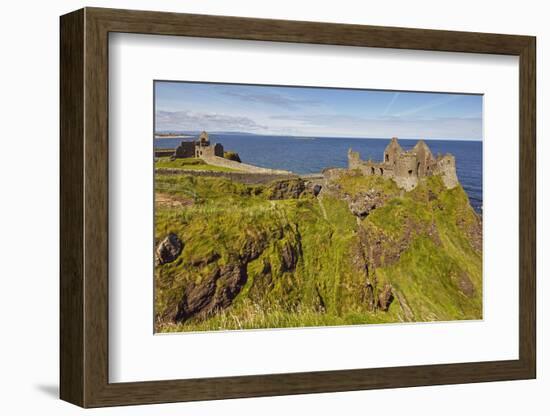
(406, 168)
(392, 152)
(424, 158)
(201, 148)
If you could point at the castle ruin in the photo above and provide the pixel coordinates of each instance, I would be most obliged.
(213, 154)
(406, 168)
(201, 148)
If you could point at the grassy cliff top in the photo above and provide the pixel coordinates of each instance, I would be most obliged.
(251, 261)
(190, 164)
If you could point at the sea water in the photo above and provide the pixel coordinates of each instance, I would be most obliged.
(305, 155)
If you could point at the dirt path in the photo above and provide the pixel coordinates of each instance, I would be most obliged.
(323, 210)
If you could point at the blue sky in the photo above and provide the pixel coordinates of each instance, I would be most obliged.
(316, 112)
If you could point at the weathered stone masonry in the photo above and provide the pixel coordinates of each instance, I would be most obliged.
(200, 148)
(213, 154)
(406, 168)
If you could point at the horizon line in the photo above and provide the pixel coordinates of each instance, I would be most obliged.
(327, 137)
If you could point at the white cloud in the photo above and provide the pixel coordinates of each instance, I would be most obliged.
(188, 120)
(352, 126)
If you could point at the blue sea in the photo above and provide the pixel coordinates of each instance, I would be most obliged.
(304, 155)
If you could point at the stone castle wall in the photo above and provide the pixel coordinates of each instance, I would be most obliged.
(407, 168)
(209, 151)
(446, 168)
(185, 150)
(213, 154)
(251, 178)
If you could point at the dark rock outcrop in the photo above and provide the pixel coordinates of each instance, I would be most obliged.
(286, 189)
(289, 258)
(360, 265)
(385, 297)
(215, 293)
(223, 284)
(168, 250)
(234, 156)
(316, 189)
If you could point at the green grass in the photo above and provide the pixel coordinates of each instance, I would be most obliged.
(355, 182)
(324, 288)
(190, 164)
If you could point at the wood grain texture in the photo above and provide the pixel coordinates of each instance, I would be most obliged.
(527, 208)
(71, 208)
(84, 204)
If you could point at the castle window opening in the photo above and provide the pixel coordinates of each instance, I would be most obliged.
(387, 157)
(372, 171)
(410, 172)
(381, 171)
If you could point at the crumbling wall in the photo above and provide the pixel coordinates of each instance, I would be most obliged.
(446, 167)
(218, 150)
(392, 152)
(407, 168)
(184, 150)
(425, 159)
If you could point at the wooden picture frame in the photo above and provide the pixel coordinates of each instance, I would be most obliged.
(84, 207)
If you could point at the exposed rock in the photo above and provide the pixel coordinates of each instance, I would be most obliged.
(197, 297)
(362, 204)
(286, 189)
(333, 174)
(360, 266)
(465, 285)
(474, 230)
(218, 290)
(316, 189)
(232, 279)
(434, 234)
(385, 297)
(168, 250)
(215, 293)
(201, 262)
(289, 258)
(252, 249)
(383, 250)
(232, 156)
(369, 296)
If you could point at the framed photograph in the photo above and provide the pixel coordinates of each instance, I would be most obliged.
(255, 207)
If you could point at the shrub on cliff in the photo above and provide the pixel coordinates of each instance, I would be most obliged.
(232, 156)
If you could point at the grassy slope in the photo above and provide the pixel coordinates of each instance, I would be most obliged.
(427, 273)
(190, 164)
(323, 289)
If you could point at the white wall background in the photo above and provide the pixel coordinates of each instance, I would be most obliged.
(29, 209)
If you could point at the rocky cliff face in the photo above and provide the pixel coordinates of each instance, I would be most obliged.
(355, 249)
